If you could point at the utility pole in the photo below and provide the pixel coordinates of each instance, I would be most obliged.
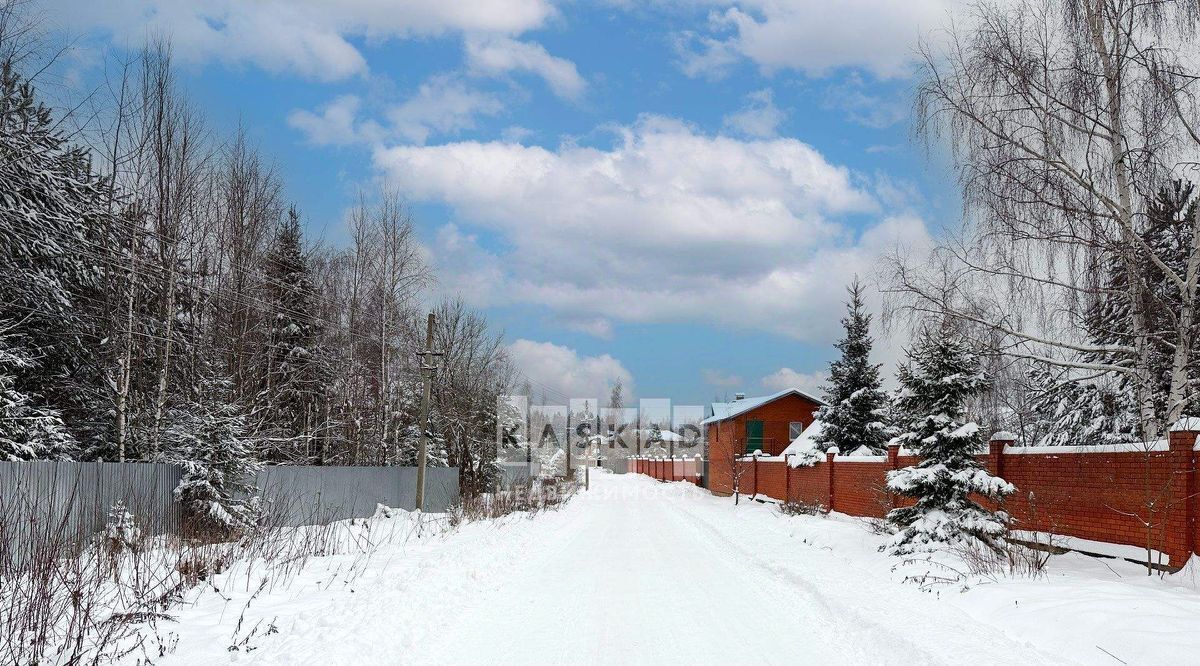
(428, 366)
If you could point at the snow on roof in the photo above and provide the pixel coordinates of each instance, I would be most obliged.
(728, 410)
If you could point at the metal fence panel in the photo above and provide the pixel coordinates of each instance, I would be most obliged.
(441, 488)
(518, 473)
(320, 495)
(67, 503)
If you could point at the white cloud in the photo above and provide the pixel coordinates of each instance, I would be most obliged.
(501, 55)
(335, 123)
(759, 118)
(516, 134)
(704, 56)
(875, 111)
(441, 105)
(667, 225)
(597, 327)
(815, 36)
(720, 378)
(786, 378)
(467, 271)
(308, 37)
(565, 371)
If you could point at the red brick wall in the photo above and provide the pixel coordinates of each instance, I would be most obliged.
(858, 489)
(1098, 496)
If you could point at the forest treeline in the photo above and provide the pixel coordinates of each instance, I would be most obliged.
(162, 301)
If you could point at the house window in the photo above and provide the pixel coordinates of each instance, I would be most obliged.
(794, 429)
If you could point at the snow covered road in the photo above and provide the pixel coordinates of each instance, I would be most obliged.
(639, 572)
(642, 573)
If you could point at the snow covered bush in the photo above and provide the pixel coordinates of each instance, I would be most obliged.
(941, 376)
(213, 443)
(802, 508)
(554, 464)
(121, 532)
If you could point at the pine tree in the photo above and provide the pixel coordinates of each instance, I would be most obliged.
(1070, 412)
(941, 376)
(54, 222)
(856, 413)
(213, 442)
(554, 464)
(654, 441)
(28, 431)
(408, 436)
(295, 374)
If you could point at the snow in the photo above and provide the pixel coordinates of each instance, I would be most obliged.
(1089, 546)
(640, 572)
(1187, 423)
(1128, 447)
(1003, 436)
(803, 450)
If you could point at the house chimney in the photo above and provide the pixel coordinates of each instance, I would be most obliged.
(739, 396)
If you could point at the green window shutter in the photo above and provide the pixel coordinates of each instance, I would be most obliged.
(754, 436)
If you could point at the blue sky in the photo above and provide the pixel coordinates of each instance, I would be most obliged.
(672, 193)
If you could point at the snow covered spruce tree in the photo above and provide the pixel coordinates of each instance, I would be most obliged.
(941, 376)
(295, 373)
(1067, 411)
(213, 442)
(53, 215)
(857, 411)
(28, 430)
(408, 432)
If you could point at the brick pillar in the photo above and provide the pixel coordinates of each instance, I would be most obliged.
(787, 478)
(1183, 461)
(995, 461)
(755, 477)
(893, 462)
(830, 454)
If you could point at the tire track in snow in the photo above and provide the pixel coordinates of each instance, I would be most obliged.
(864, 625)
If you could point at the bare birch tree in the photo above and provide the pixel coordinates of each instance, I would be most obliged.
(1064, 118)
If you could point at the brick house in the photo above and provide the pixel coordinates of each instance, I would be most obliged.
(765, 423)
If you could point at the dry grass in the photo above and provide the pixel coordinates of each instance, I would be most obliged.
(799, 508)
(67, 600)
(530, 496)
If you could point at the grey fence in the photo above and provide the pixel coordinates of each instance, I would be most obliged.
(64, 504)
(67, 503)
(319, 495)
(518, 473)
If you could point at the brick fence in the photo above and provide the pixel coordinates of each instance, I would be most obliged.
(666, 468)
(1140, 495)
